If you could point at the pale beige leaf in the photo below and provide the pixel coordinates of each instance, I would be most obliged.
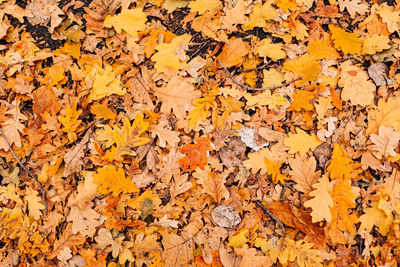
(212, 183)
(34, 203)
(303, 173)
(321, 202)
(385, 142)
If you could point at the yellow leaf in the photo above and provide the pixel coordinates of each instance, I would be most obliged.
(170, 55)
(127, 138)
(71, 122)
(112, 181)
(376, 43)
(301, 100)
(299, 252)
(265, 99)
(376, 216)
(272, 77)
(130, 20)
(105, 83)
(34, 203)
(287, 5)
(233, 52)
(340, 167)
(356, 86)
(273, 169)
(240, 239)
(321, 201)
(341, 229)
(301, 142)
(265, 48)
(102, 111)
(387, 114)
(260, 15)
(306, 66)
(345, 41)
(322, 49)
(201, 6)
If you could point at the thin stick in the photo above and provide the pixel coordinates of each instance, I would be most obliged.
(252, 88)
(266, 211)
(29, 173)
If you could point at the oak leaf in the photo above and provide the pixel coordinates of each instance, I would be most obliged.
(265, 48)
(376, 216)
(265, 98)
(303, 173)
(112, 181)
(196, 154)
(321, 201)
(356, 86)
(386, 114)
(375, 43)
(130, 20)
(341, 229)
(105, 239)
(251, 257)
(233, 52)
(301, 142)
(84, 220)
(341, 165)
(177, 96)
(385, 142)
(34, 203)
(12, 127)
(201, 6)
(301, 100)
(212, 184)
(273, 169)
(306, 66)
(260, 15)
(349, 43)
(70, 121)
(299, 252)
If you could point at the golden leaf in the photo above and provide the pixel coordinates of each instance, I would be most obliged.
(349, 43)
(301, 142)
(112, 181)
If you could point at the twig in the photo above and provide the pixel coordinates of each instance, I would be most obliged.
(252, 88)
(29, 172)
(258, 68)
(266, 211)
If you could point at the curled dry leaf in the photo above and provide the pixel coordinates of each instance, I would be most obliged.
(225, 216)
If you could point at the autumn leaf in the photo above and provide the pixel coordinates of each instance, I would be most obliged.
(34, 203)
(305, 66)
(340, 167)
(212, 183)
(321, 201)
(347, 42)
(130, 20)
(196, 154)
(233, 53)
(386, 114)
(301, 142)
(303, 173)
(111, 180)
(385, 142)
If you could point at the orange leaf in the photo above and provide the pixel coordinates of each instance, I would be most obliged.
(196, 154)
(112, 181)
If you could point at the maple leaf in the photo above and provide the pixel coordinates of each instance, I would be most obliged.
(196, 154)
(345, 41)
(301, 142)
(385, 142)
(356, 86)
(303, 173)
(212, 183)
(177, 96)
(130, 20)
(306, 66)
(321, 201)
(112, 181)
